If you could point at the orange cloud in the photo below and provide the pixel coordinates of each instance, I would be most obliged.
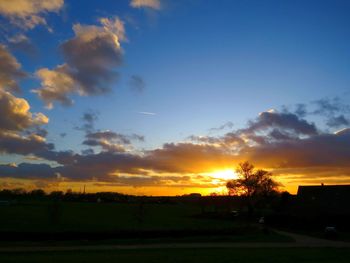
(154, 4)
(29, 13)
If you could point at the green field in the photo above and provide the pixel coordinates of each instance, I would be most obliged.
(250, 255)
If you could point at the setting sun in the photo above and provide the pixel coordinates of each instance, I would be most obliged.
(226, 174)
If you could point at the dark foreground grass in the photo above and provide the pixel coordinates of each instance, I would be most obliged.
(250, 255)
(252, 236)
(99, 217)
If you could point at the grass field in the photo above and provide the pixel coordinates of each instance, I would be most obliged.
(250, 255)
(164, 222)
(91, 217)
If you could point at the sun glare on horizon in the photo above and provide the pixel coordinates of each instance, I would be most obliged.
(225, 174)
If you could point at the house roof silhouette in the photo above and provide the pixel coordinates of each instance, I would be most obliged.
(330, 199)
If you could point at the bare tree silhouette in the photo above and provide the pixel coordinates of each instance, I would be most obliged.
(251, 184)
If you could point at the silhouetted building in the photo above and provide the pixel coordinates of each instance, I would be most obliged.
(325, 199)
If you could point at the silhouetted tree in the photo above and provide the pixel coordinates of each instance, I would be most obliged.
(37, 193)
(251, 184)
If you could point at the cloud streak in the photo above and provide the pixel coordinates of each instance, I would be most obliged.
(147, 113)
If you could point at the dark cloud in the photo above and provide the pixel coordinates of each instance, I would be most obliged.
(281, 135)
(334, 110)
(88, 119)
(10, 71)
(226, 125)
(328, 106)
(286, 155)
(39, 131)
(102, 166)
(16, 144)
(330, 150)
(28, 171)
(106, 145)
(87, 151)
(282, 141)
(105, 165)
(109, 136)
(301, 110)
(111, 141)
(21, 130)
(49, 176)
(137, 137)
(338, 121)
(284, 120)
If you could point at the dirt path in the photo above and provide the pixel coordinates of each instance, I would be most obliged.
(301, 241)
(307, 241)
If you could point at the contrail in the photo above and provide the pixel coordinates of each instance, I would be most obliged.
(146, 113)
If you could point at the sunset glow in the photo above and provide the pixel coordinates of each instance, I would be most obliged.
(227, 174)
(168, 97)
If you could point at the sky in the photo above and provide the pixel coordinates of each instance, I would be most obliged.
(165, 97)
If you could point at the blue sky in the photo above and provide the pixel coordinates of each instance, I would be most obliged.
(204, 63)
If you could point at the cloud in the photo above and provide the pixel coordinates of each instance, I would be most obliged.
(338, 121)
(281, 141)
(137, 84)
(20, 130)
(10, 71)
(106, 165)
(284, 120)
(28, 171)
(326, 153)
(301, 110)
(89, 118)
(154, 4)
(111, 141)
(27, 14)
(24, 145)
(332, 150)
(115, 26)
(91, 58)
(22, 43)
(226, 125)
(329, 106)
(109, 135)
(15, 114)
(187, 158)
(46, 176)
(56, 84)
(107, 140)
(106, 145)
